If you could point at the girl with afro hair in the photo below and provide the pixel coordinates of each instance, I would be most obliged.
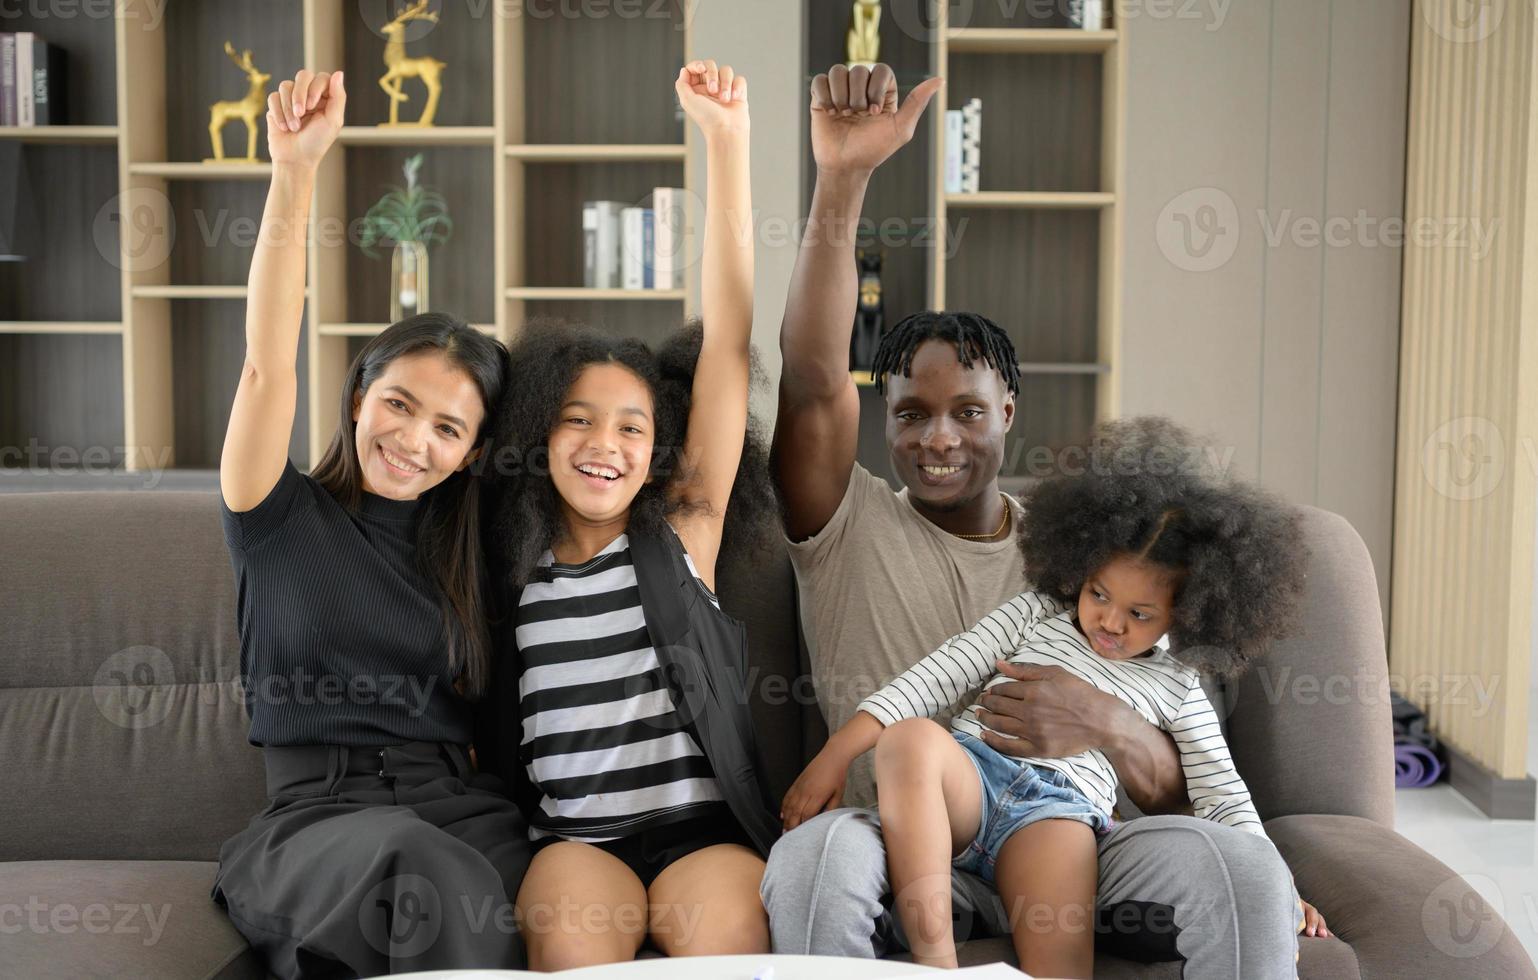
(1147, 572)
(644, 807)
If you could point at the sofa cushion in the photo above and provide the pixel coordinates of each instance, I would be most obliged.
(120, 718)
(113, 918)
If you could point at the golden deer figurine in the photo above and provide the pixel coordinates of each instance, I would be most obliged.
(402, 67)
(246, 110)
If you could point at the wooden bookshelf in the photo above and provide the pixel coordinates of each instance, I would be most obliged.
(132, 304)
(84, 135)
(1035, 249)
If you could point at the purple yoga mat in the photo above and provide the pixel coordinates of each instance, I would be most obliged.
(1415, 765)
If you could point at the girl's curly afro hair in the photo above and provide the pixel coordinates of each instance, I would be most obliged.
(1148, 491)
(546, 360)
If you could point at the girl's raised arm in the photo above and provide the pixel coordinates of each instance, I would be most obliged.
(303, 118)
(717, 100)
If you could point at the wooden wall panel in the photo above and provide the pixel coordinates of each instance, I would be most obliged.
(1464, 509)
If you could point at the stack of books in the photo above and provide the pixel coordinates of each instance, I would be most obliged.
(31, 81)
(963, 148)
(626, 247)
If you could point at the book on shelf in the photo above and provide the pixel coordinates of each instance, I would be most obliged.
(638, 238)
(7, 79)
(953, 151)
(668, 237)
(31, 81)
(971, 146)
(601, 244)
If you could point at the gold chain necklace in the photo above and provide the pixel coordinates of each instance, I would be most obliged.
(995, 533)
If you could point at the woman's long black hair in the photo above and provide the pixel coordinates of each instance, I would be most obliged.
(1145, 489)
(449, 529)
(546, 359)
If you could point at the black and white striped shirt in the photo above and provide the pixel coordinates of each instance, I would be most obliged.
(602, 741)
(1035, 628)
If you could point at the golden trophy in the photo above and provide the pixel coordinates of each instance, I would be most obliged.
(864, 33)
(401, 67)
(246, 110)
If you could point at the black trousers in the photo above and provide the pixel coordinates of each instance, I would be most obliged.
(377, 860)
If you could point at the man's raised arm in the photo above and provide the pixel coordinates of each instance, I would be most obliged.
(856, 125)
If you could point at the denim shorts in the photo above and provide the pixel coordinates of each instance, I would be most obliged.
(1015, 795)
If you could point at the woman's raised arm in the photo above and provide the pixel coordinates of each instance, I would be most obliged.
(303, 118)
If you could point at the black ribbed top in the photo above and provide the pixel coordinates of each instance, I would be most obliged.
(341, 636)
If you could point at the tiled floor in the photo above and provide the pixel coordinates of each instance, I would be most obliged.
(1499, 858)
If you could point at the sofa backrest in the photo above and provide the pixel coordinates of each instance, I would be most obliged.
(121, 722)
(1309, 726)
(124, 734)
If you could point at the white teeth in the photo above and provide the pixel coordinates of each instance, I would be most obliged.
(593, 469)
(940, 470)
(396, 461)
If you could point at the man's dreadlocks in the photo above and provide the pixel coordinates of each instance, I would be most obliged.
(976, 338)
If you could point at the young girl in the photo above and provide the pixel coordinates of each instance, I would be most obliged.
(1119, 561)
(362, 632)
(624, 726)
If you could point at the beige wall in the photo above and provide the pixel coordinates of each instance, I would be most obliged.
(763, 39)
(1243, 318)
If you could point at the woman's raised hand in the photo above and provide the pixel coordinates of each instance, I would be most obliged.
(304, 116)
(715, 98)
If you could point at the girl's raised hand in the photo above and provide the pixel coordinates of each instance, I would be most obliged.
(304, 116)
(715, 98)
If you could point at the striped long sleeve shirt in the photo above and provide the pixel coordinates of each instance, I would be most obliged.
(1035, 628)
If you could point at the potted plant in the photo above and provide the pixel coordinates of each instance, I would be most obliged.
(410, 218)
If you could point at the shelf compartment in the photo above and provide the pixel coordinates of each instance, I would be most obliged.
(1028, 40)
(1048, 141)
(86, 135)
(1033, 200)
(203, 171)
(539, 293)
(595, 153)
(59, 327)
(417, 135)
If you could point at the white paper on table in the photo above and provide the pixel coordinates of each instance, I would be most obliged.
(988, 971)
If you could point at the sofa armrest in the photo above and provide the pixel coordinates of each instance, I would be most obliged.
(1322, 693)
(1404, 912)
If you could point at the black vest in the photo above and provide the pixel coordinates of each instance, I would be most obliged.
(703, 653)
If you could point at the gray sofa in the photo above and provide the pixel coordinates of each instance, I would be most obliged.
(126, 761)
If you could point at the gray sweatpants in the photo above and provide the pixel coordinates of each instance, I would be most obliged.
(1170, 887)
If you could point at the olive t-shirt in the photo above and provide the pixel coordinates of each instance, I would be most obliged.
(880, 588)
